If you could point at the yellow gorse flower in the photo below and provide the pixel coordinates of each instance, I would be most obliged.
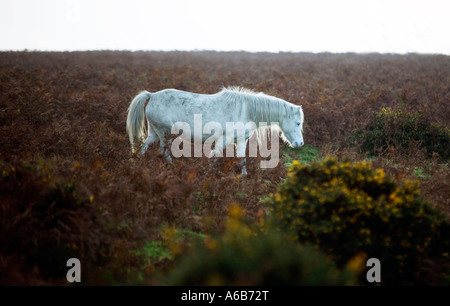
(357, 263)
(235, 211)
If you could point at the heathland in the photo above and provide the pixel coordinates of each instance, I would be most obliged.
(72, 188)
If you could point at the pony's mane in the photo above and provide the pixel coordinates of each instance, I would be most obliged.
(261, 107)
(242, 90)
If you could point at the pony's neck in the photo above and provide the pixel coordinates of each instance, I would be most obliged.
(267, 109)
(259, 107)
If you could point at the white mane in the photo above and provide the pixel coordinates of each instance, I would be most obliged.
(261, 107)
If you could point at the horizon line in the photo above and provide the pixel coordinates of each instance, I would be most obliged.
(222, 51)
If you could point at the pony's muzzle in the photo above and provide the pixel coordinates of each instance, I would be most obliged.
(297, 144)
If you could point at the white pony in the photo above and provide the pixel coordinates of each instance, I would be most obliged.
(166, 108)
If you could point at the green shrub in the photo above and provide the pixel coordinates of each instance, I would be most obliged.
(397, 129)
(346, 209)
(306, 154)
(242, 255)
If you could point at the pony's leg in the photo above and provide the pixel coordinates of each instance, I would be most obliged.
(166, 153)
(150, 139)
(164, 149)
(244, 170)
(241, 146)
(218, 149)
(162, 144)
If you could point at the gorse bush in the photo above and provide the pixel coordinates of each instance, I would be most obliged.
(346, 208)
(242, 255)
(397, 129)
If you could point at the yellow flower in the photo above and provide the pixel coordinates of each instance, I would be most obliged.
(365, 231)
(215, 279)
(357, 263)
(169, 233)
(210, 243)
(236, 211)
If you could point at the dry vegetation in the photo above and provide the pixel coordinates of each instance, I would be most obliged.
(63, 140)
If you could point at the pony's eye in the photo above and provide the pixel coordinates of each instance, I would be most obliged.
(298, 123)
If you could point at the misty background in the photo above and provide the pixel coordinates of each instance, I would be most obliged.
(384, 26)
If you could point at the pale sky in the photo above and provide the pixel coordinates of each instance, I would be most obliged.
(385, 26)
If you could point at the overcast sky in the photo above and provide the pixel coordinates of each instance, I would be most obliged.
(397, 26)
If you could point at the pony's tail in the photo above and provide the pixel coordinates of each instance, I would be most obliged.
(136, 118)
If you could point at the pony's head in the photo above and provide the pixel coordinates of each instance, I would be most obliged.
(293, 128)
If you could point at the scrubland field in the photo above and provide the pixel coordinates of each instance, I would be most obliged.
(372, 180)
